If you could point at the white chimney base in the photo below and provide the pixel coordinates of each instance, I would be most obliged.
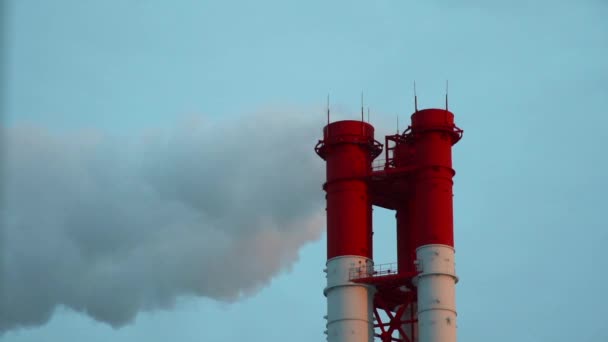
(436, 293)
(349, 305)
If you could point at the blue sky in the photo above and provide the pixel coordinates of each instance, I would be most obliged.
(528, 84)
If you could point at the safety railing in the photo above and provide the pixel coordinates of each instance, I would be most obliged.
(372, 271)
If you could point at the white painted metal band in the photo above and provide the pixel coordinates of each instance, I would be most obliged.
(436, 285)
(349, 304)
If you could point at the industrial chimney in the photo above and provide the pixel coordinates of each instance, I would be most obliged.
(412, 300)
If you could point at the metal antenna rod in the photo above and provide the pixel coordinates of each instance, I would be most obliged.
(361, 106)
(327, 114)
(362, 126)
(446, 94)
(397, 123)
(368, 114)
(415, 98)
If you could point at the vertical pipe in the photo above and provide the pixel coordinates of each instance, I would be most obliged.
(406, 255)
(407, 236)
(433, 131)
(407, 240)
(348, 155)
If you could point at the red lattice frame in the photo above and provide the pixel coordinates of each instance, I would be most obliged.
(393, 304)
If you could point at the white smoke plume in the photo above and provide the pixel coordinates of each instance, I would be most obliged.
(110, 228)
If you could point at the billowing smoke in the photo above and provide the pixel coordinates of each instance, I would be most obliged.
(110, 228)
